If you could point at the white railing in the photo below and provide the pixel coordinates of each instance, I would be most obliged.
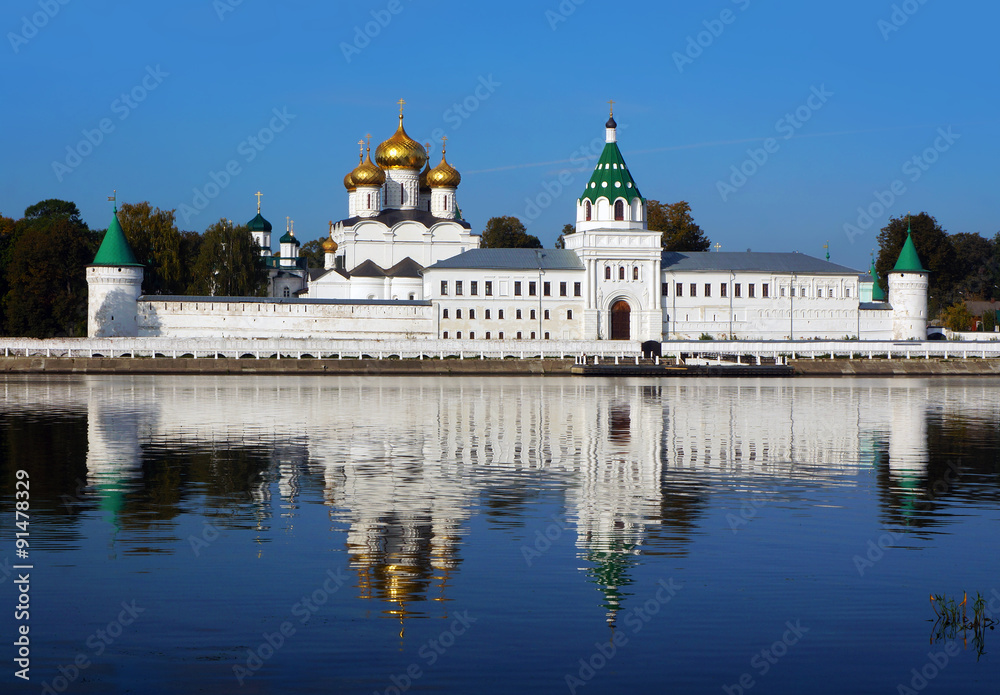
(831, 349)
(284, 348)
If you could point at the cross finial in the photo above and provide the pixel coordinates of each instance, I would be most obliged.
(115, 199)
(361, 150)
(369, 136)
(611, 103)
(291, 228)
(258, 194)
(402, 103)
(286, 222)
(827, 247)
(717, 246)
(444, 145)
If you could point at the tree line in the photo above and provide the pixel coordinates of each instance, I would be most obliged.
(43, 259)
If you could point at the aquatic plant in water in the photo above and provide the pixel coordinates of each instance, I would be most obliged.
(952, 620)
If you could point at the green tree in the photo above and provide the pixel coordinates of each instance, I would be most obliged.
(229, 263)
(190, 250)
(156, 243)
(46, 282)
(567, 229)
(313, 250)
(936, 252)
(973, 258)
(957, 317)
(679, 231)
(507, 233)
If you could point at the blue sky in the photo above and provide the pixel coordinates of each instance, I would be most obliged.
(825, 107)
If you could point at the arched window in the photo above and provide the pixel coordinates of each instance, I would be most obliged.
(619, 210)
(621, 273)
(607, 272)
(635, 273)
(586, 206)
(369, 201)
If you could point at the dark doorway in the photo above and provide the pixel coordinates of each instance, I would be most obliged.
(621, 315)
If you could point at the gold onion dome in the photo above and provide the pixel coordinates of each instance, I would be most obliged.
(349, 182)
(444, 175)
(424, 186)
(367, 174)
(401, 151)
(330, 246)
(349, 178)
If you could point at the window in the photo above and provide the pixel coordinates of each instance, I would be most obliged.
(519, 335)
(619, 210)
(819, 291)
(607, 272)
(517, 315)
(500, 314)
(532, 315)
(750, 290)
(472, 335)
(473, 288)
(782, 291)
(412, 296)
(532, 289)
(500, 335)
(472, 313)
(737, 290)
(458, 313)
(680, 289)
(546, 335)
(847, 292)
(487, 314)
(694, 290)
(586, 207)
(287, 292)
(517, 288)
(793, 291)
(458, 336)
(635, 273)
(664, 288)
(763, 290)
(458, 288)
(546, 315)
(532, 335)
(489, 288)
(569, 314)
(562, 289)
(708, 289)
(444, 313)
(621, 273)
(445, 335)
(487, 335)
(444, 288)
(546, 289)
(577, 289)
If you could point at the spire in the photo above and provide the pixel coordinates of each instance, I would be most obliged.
(878, 295)
(115, 249)
(908, 261)
(611, 134)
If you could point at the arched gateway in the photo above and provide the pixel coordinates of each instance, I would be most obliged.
(621, 320)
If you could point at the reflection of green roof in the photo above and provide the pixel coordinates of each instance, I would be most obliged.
(114, 248)
(259, 224)
(611, 178)
(878, 294)
(909, 261)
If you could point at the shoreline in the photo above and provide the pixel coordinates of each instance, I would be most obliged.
(470, 367)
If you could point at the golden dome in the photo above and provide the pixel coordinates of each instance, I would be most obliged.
(423, 175)
(367, 174)
(349, 178)
(444, 175)
(329, 246)
(348, 182)
(400, 151)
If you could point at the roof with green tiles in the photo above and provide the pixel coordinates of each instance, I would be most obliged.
(289, 238)
(114, 248)
(611, 178)
(878, 294)
(908, 261)
(259, 224)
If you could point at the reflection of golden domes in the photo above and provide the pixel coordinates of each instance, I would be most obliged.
(444, 175)
(400, 151)
(329, 246)
(367, 174)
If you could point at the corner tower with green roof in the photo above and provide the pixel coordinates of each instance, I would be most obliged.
(114, 283)
(908, 294)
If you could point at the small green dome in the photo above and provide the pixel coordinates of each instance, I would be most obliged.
(289, 238)
(259, 224)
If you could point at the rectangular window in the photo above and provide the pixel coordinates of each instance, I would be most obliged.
(737, 290)
(517, 288)
(444, 288)
(764, 290)
(458, 336)
(569, 314)
(487, 314)
(472, 313)
(546, 289)
(546, 335)
(546, 315)
(708, 290)
(819, 291)
(500, 335)
(458, 288)
(472, 335)
(532, 335)
(782, 292)
(519, 335)
(532, 314)
(562, 289)
(458, 313)
(517, 314)
(664, 288)
(532, 289)
(473, 288)
(444, 313)
(500, 314)
(445, 335)
(750, 290)
(489, 288)
(680, 289)
(487, 335)
(847, 292)
(793, 291)
(694, 290)
(577, 289)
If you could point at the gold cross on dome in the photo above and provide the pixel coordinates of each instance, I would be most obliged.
(361, 149)
(258, 194)
(717, 246)
(444, 144)
(611, 102)
(402, 103)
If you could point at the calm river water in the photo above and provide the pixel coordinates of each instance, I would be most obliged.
(500, 535)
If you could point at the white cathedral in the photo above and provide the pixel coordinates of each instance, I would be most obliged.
(404, 264)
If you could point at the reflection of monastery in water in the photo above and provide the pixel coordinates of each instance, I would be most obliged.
(403, 463)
